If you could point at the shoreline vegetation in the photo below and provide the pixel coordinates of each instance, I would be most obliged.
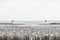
(30, 38)
(11, 31)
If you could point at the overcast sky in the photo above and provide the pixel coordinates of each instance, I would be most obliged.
(31, 10)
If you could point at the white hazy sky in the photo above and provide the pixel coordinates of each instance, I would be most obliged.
(31, 10)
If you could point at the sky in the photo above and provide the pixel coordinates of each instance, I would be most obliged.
(29, 10)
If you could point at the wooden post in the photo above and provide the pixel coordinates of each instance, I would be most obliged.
(45, 22)
(12, 22)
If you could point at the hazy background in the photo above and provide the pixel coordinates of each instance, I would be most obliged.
(31, 10)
